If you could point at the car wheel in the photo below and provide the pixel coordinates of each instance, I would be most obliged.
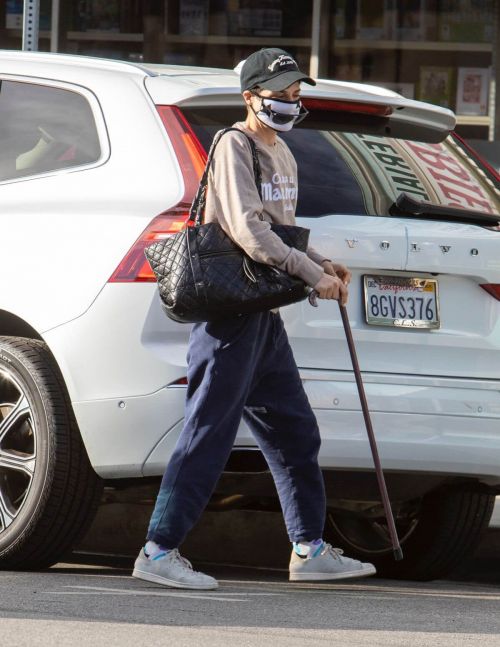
(48, 489)
(436, 532)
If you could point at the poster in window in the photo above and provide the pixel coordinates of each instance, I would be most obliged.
(373, 19)
(472, 90)
(247, 19)
(340, 19)
(14, 14)
(102, 15)
(437, 85)
(466, 21)
(410, 20)
(193, 17)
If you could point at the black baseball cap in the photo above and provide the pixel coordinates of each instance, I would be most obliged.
(271, 69)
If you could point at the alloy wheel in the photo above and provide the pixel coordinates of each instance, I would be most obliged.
(18, 448)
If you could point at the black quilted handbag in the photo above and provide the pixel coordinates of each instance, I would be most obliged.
(203, 275)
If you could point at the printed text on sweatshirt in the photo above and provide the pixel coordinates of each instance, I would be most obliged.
(234, 202)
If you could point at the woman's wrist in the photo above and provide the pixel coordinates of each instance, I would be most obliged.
(328, 268)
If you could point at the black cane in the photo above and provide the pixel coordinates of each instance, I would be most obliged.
(398, 553)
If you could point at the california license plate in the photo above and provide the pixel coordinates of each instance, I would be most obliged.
(408, 302)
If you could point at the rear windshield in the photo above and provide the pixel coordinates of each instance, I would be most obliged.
(363, 172)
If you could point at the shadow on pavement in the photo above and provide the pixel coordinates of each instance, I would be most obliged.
(238, 538)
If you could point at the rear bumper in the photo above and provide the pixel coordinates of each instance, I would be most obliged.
(454, 439)
(421, 424)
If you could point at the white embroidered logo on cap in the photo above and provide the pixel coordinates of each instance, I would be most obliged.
(283, 59)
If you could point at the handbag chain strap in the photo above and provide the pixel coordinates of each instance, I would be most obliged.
(198, 206)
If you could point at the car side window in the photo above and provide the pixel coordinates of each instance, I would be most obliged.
(43, 129)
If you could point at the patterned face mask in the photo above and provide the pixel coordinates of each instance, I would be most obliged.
(279, 114)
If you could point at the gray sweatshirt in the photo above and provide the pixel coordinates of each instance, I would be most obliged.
(234, 202)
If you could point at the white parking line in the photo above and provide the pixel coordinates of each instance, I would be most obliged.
(101, 590)
(162, 594)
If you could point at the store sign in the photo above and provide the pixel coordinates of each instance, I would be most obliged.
(401, 176)
(453, 183)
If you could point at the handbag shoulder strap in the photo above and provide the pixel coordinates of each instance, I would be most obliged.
(198, 205)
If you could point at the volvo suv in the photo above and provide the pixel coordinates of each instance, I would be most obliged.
(100, 158)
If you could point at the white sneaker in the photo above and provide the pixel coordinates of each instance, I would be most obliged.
(328, 565)
(170, 569)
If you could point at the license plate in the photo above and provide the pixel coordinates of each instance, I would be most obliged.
(407, 302)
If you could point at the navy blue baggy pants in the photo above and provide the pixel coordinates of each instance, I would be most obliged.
(242, 367)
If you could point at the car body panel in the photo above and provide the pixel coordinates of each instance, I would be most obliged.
(468, 341)
(421, 424)
(91, 217)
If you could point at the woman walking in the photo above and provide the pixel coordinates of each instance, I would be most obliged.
(243, 366)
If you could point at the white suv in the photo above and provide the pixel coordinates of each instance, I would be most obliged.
(99, 158)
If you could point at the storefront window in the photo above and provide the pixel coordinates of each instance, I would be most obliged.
(217, 33)
(440, 51)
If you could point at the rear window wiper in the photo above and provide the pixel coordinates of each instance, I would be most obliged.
(406, 205)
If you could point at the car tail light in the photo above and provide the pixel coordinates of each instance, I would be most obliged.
(493, 289)
(348, 106)
(182, 381)
(191, 157)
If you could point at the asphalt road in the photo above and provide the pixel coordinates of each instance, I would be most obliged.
(89, 605)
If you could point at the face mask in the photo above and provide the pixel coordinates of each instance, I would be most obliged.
(278, 114)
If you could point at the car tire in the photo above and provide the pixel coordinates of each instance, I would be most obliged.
(48, 489)
(443, 530)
